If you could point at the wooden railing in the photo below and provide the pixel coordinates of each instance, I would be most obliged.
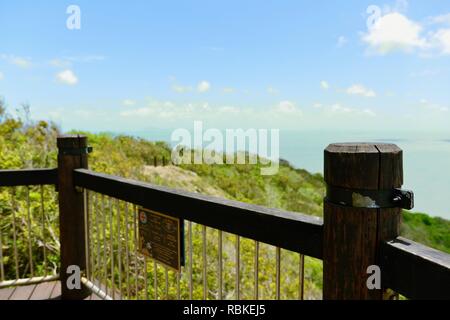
(98, 233)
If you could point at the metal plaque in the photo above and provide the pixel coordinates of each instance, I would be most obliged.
(161, 238)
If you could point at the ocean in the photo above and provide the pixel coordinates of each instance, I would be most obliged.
(426, 159)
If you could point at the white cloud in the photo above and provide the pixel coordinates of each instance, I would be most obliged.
(203, 86)
(228, 90)
(60, 63)
(287, 107)
(338, 109)
(341, 41)
(170, 111)
(86, 58)
(394, 32)
(21, 62)
(67, 77)
(360, 90)
(1, 76)
(272, 91)
(441, 40)
(324, 85)
(129, 102)
(441, 19)
(181, 89)
(425, 104)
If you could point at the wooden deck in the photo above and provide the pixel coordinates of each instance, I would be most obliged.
(41, 291)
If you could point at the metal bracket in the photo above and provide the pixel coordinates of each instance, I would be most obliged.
(375, 199)
(75, 151)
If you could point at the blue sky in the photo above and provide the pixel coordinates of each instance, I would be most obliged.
(140, 65)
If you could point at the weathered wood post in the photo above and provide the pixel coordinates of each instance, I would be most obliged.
(361, 209)
(72, 154)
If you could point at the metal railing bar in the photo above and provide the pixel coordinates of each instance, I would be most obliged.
(16, 257)
(238, 267)
(256, 276)
(30, 232)
(111, 245)
(105, 261)
(127, 253)
(41, 189)
(146, 295)
(205, 284)
(98, 232)
(220, 244)
(178, 286)
(190, 260)
(136, 269)
(278, 273)
(95, 289)
(27, 281)
(155, 279)
(167, 282)
(86, 232)
(301, 277)
(119, 246)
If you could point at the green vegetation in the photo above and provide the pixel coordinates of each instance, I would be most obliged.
(26, 144)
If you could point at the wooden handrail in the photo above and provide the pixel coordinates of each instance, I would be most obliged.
(28, 177)
(287, 230)
(414, 270)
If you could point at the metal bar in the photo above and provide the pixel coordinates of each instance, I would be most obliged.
(43, 229)
(86, 232)
(91, 236)
(136, 268)
(127, 253)
(205, 278)
(178, 286)
(111, 244)
(2, 269)
(146, 279)
(105, 261)
(278, 275)
(13, 203)
(238, 267)
(95, 289)
(30, 245)
(119, 247)
(301, 277)
(27, 177)
(167, 283)
(155, 279)
(190, 260)
(98, 232)
(288, 230)
(220, 297)
(256, 270)
(28, 281)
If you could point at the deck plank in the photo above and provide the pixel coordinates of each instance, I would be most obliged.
(6, 293)
(23, 292)
(43, 291)
(56, 292)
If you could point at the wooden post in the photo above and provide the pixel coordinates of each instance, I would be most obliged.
(353, 233)
(71, 155)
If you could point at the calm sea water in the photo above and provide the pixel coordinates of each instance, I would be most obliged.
(426, 159)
